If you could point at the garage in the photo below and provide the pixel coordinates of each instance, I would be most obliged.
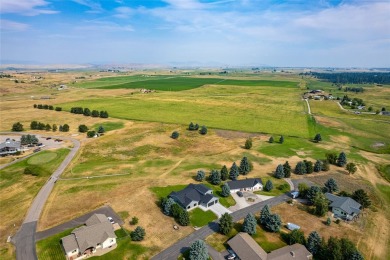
(211, 203)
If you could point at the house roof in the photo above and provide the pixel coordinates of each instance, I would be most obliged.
(345, 203)
(207, 198)
(240, 184)
(193, 192)
(96, 219)
(296, 252)
(246, 248)
(69, 243)
(90, 236)
(9, 144)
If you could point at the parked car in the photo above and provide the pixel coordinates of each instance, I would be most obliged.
(36, 150)
(240, 194)
(111, 220)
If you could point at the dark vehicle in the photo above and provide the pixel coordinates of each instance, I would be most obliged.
(48, 138)
(36, 150)
(240, 194)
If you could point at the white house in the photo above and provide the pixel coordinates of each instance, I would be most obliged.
(96, 235)
(10, 147)
(194, 195)
(245, 185)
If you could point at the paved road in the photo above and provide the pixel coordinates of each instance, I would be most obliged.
(182, 245)
(24, 240)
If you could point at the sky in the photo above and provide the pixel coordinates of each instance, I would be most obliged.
(289, 33)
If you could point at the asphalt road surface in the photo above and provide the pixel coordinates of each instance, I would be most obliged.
(24, 240)
(181, 246)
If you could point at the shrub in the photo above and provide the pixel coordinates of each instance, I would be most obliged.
(83, 128)
(91, 134)
(134, 221)
(17, 127)
(138, 234)
(203, 130)
(175, 135)
(200, 175)
(248, 143)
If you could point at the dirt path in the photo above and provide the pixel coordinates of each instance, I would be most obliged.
(172, 168)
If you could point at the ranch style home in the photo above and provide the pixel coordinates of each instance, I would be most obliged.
(96, 237)
(343, 207)
(194, 195)
(9, 147)
(246, 248)
(245, 185)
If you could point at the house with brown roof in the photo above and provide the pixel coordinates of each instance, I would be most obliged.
(246, 248)
(96, 237)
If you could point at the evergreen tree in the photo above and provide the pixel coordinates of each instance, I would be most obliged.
(225, 190)
(303, 189)
(361, 197)
(175, 135)
(249, 225)
(273, 223)
(215, 177)
(167, 206)
(331, 158)
(60, 128)
(281, 139)
(317, 166)
(47, 127)
(351, 168)
(325, 166)
(196, 127)
(138, 234)
(342, 159)
(17, 127)
(234, 172)
(225, 223)
(200, 175)
(203, 130)
(83, 128)
(296, 236)
(356, 256)
(87, 112)
(264, 214)
(312, 193)
(248, 143)
(287, 169)
(65, 128)
(309, 166)
(313, 242)
(321, 204)
(224, 173)
(184, 218)
(101, 129)
(191, 126)
(300, 168)
(244, 166)
(317, 138)
(268, 186)
(95, 113)
(41, 126)
(328, 221)
(34, 125)
(271, 140)
(58, 109)
(91, 134)
(176, 210)
(279, 172)
(331, 185)
(198, 251)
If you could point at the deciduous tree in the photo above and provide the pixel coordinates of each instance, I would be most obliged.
(271, 140)
(361, 197)
(351, 168)
(17, 127)
(248, 143)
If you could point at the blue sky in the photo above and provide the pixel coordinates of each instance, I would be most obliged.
(321, 33)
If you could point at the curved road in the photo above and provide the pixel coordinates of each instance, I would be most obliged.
(24, 240)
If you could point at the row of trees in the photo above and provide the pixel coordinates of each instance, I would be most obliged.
(49, 107)
(352, 77)
(272, 140)
(195, 127)
(88, 112)
(171, 208)
(28, 139)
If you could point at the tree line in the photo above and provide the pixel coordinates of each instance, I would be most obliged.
(88, 112)
(49, 107)
(352, 77)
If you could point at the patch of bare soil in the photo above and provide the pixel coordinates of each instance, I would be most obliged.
(326, 121)
(340, 139)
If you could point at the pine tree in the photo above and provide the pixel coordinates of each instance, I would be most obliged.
(318, 166)
(167, 206)
(233, 174)
(313, 242)
(184, 218)
(264, 214)
(225, 224)
(244, 166)
(224, 173)
(198, 251)
(361, 197)
(287, 169)
(249, 225)
(47, 127)
(138, 234)
(203, 130)
(215, 177)
(309, 166)
(87, 112)
(268, 186)
(328, 221)
(317, 138)
(356, 256)
(65, 128)
(54, 127)
(279, 172)
(273, 223)
(351, 168)
(95, 113)
(191, 126)
(342, 159)
(101, 129)
(175, 135)
(248, 143)
(200, 175)
(281, 139)
(331, 185)
(34, 125)
(225, 190)
(325, 166)
(300, 168)
(271, 140)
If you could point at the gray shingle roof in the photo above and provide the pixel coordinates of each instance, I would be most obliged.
(69, 243)
(241, 184)
(293, 252)
(10, 144)
(193, 192)
(345, 203)
(96, 219)
(246, 248)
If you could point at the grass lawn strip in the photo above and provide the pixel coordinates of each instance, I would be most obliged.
(200, 218)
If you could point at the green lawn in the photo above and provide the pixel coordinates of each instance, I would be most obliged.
(217, 190)
(163, 192)
(280, 187)
(200, 218)
(108, 126)
(384, 170)
(50, 248)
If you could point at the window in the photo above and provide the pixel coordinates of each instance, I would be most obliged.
(188, 207)
(74, 251)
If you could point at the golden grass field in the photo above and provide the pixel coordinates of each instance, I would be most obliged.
(145, 151)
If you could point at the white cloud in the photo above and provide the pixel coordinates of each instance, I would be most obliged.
(94, 6)
(25, 7)
(7, 25)
(124, 12)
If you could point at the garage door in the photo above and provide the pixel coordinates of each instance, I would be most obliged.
(211, 203)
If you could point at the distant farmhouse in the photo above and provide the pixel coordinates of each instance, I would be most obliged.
(194, 195)
(343, 207)
(245, 185)
(96, 237)
(10, 147)
(246, 248)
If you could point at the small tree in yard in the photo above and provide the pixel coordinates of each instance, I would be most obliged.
(279, 173)
(296, 236)
(224, 173)
(138, 234)
(328, 221)
(287, 169)
(249, 225)
(167, 206)
(200, 175)
(361, 197)
(351, 168)
(264, 214)
(91, 134)
(321, 204)
(83, 128)
(225, 190)
(317, 166)
(300, 168)
(244, 166)
(198, 251)
(281, 139)
(95, 113)
(331, 185)
(273, 223)
(17, 127)
(184, 218)
(225, 224)
(268, 186)
(233, 174)
(312, 193)
(313, 242)
(215, 177)
(271, 140)
(134, 221)
(342, 159)
(175, 135)
(248, 143)
(203, 130)
(317, 138)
